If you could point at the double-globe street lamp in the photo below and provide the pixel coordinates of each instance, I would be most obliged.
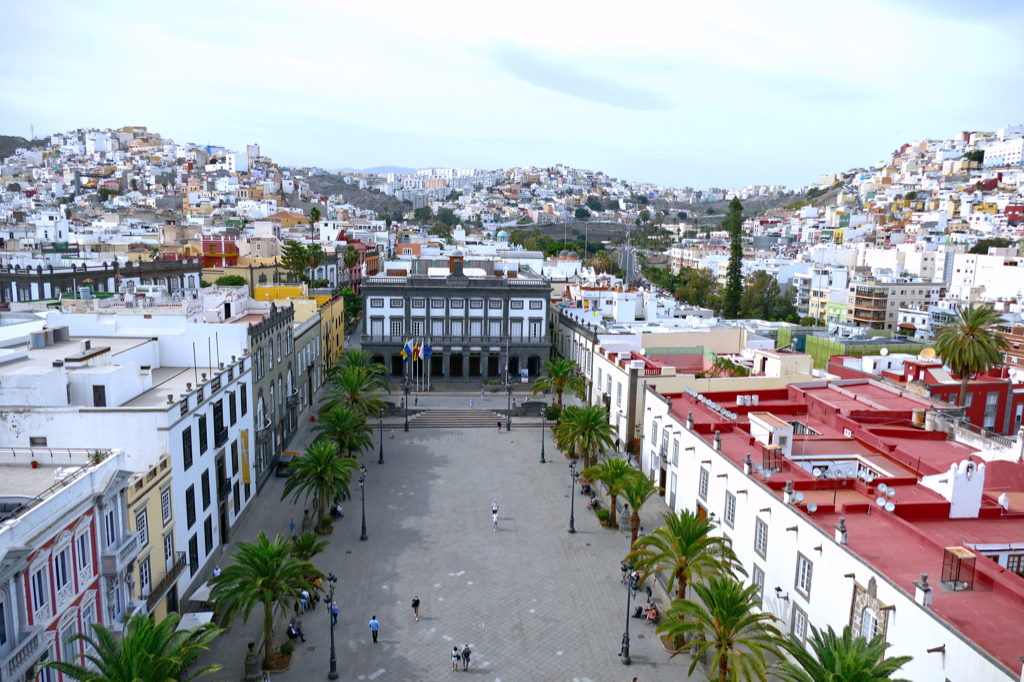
(574, 476)
(407, 389)
(630, 586)
(332, 580)
(362, 497)
(508, 418)
(380, 420)
(543, 418)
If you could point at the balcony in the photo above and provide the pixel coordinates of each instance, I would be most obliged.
(27, 653)
(113, 560)
(444, 341)
(223, 491)
(293, 399)
(220, 436)
(161, 588)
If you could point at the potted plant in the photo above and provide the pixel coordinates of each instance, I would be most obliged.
(287, 649)
(35, 464)
(97, 456)
(325, 525)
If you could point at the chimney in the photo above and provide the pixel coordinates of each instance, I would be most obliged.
(170, 398)
(689, 420)
(923, 591)
(787, 493)
(748, 465)
(842, 535)
(718, 441)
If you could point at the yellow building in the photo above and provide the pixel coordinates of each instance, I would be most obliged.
(332, 330)
(986, 207)
(151, 514)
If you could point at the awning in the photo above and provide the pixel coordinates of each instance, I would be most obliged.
(202, 593)
(906, 325)
(194, 620)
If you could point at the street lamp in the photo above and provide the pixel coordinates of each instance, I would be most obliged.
(572, 495)
(380, 419)
(332, 580)
(407, 389)
(362, 497)
(543, 418)
(624, 654)
(508, 418)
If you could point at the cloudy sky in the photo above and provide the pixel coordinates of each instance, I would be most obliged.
(680, 93)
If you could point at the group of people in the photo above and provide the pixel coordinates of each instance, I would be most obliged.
(461, 655)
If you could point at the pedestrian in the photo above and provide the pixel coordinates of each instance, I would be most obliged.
(337, 511)
(471, 403)
(494, 521)
(293, 527)
(415, 400)
(640, 533)
(499, 426)
(494, 507)
(455, 657)
(374, 626)
(466, 651)
(266, 676)
(481, 394)
(416, 608)
(216, 571)
(513, 403)
(304, 601)
(334, 614)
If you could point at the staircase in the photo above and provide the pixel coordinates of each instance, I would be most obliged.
(455, 418)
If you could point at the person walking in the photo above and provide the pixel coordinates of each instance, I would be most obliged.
(471, 403)
(415, 400)
(304, 600)
(334, 614)
(455, 657)
(466, 651)
(292, 526)
(374, 626)
(416, 608)
(499, 426)
(266, 676)
(494, 521)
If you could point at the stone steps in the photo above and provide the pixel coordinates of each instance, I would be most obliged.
(442, 418)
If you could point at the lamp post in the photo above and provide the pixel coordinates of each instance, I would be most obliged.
(508, 418)
(362, 497)
(407, 389)
(380, 420)
(624, 655)
(572, 496)
(543, 418)
(332, 580)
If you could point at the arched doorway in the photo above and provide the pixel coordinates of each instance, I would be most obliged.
(396, 365)
(533, 366)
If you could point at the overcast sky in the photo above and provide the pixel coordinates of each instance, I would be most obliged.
(723, 93)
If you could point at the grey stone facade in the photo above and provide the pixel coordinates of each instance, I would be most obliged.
(272, 346)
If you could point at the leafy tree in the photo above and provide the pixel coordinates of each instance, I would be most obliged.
(910, 196)
(584, 432)
(733, 222)
(350, 257)
(231, 281)
(614, 473)
(594, 204)
(105, 193)
(447, 217)
(441, 230)
(637, 491)
(319, 473)
(423, 214)
(645, 216)
(681, 215)
(135, 185)
(762, 298)
(983, 245)
(724, 620)
(834, 658)
(308, 545)
(975, 155)
(357, 357)
(145, 651)
(686, 549)
(582, 213)
(355, 388)
(600, 262)
(315, 257)
(387, 220)
(613, 205)
(562, 376)
(295, 259)
(264, 573)
(353, 303)
(346, 428)
(809, 321)
(971, 344)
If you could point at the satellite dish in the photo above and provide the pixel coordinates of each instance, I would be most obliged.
(883, 352)
(850, 472)
(767, 474)
(811, 507)
(890, 507)
(882, 487)
(798, 498)
(891, 492)
(818, 472)
(927, 354)
(880, 501)
(759, 466)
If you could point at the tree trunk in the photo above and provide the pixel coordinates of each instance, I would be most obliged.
(723, 668)
(268, 632)
(558, 392)
(964, 380)
(680, 584)
(322, 503)
(634, 527)
(611, 519)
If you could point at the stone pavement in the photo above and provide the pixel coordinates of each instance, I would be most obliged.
(535, 602)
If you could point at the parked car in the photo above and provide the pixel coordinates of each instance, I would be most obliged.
(284, 464)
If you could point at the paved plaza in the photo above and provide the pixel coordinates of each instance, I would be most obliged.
(533, 601)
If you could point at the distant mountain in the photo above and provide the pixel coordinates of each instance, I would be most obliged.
(9, 143)
(380, 170)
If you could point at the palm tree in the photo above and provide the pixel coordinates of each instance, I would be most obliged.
(614, 473)
(562, 376)
(145, 651)
(637, 491)
(315, 258)
(723, 619)
(350, 258)
(307, 545)
(586, 431)
(686, 549)
(971, 344)
(839, 659)
(319, 473)
(314, 218)
(346, 428)
(355, 387)
(264, 573)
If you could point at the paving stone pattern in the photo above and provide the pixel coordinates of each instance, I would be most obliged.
(534, 602)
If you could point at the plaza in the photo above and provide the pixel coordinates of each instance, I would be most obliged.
(533, 601)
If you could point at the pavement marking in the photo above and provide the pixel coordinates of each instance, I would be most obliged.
(485, 664)
(469, 582)
(558, 653)
(384, 586)
(447, 638)
(376, 674)
(460, 573)
(440, 599)
(405, 486)
(533, 610)
(437, 584)
(362, 677)
(391, 506)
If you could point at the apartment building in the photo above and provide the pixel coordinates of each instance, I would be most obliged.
(813, 288)
(875, 304)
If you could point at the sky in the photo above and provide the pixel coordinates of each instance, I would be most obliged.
(700, 94)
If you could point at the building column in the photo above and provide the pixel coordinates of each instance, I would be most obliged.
(446, 365)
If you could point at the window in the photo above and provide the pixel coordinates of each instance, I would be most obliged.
(84, 551)
(476, 304)
(234, 457)
(437, 303)
(757, 578)
(142, 526)
(208, 533)
(991, 406)
(783, 440)
(243, 398)
(970, 400)
(232, 411)
(599, 376)
(69, 645)
(144, 576)
(37, 441)
(238, 499)
(394, 303)
(377, 303)
(618, 393)
(495, 328)
(62, 568)
(456, 304)
(761, 538)
(1015, 564)
(40, 597)
(169, 550)
(193, 555)
(270, 353)
(702, 489)
(536, 305)
(799, 624)
(494, 303)
(203, 441)
(868, 623)
(654, 434)
(279, 348)
(517, 305)
(3, 623)
(186, 447)
(675, 453)
(110, 527)
(190, 506)
(730, 509)
(609, 389)
(804, 569)
(99, 396)
(165, 506)
(396, 327)
(206, 489)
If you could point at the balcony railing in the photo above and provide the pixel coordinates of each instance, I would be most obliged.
(293, 399)
(113, 560)
(460, 340)
(223, 491)
(161, 588)
(220, 436)
(25, 655)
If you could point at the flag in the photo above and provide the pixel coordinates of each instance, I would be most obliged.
(428, 350)
(406, 352)
(415, 349)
